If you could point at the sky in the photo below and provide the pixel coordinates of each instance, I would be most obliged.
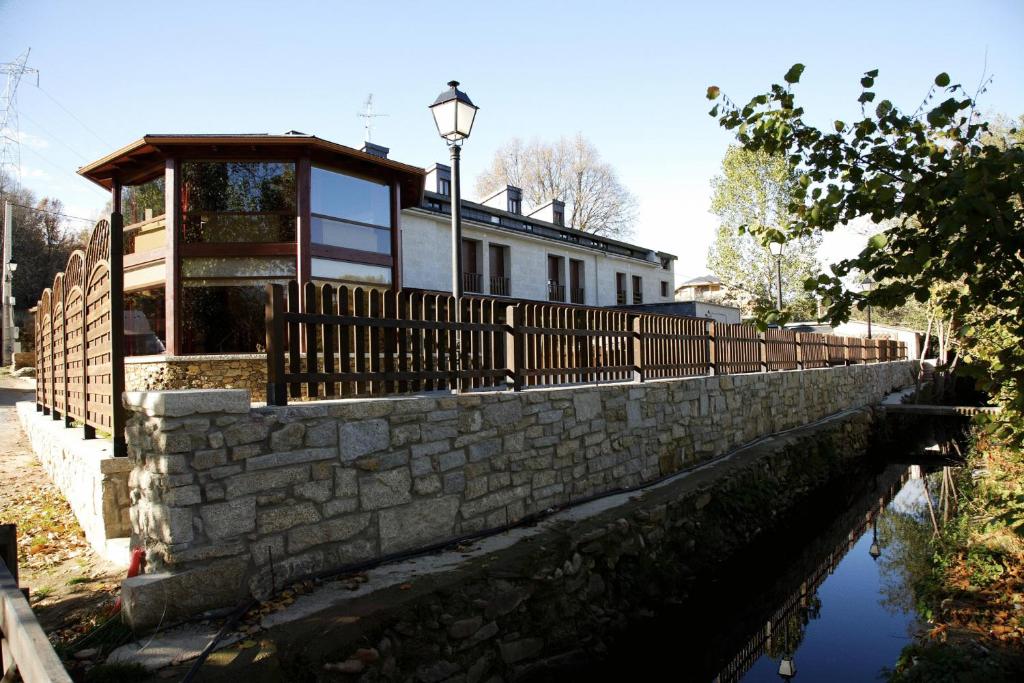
(630, 76)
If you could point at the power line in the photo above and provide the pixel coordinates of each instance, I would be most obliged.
(69, 113)
(54, 213)
(46, 132)
(62, 169)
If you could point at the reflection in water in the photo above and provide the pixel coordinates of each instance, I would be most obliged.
(827, 599)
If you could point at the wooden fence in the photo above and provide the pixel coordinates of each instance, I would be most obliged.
(80, 338)
(364, 342)
(25, 651)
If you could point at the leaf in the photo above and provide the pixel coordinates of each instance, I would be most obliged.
(883, 108)
(246, 644)
(942, 80)
(867, 81)
(793, 75)
(871, 74)
(713, 92)
(878, 241)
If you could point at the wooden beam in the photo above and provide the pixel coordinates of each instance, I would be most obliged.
(396, 236)
(304, 262)
(172, 262)
(238, 249)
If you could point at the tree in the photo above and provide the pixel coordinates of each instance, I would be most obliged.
(751, 196)
(954, 198)
(571, 170)
(41, 242)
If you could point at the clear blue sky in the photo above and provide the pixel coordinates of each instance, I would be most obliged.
(629, 76)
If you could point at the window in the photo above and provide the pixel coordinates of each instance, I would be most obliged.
(664, 288)
(238, 201)
(206, 306)
(559, 217)
(472, 277)
(638, 289)
(620, 289)
(498, 263)
(444, 186)
(144, 325)
(515, 205)
(139, 200)
(576, 290)
(350, 212)
(556, 286)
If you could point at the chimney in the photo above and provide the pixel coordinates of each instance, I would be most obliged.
(439, 179)
(552, 212)
(375, 150)
(508, 199)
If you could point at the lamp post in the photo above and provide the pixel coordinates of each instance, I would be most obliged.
(874, 551)
(867, 284)
(776, 250)
(453, 114)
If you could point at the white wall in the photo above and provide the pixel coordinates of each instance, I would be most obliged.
(426, 261)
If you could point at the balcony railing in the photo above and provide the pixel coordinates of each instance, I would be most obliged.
(556, 292)
(620, 297)
(473, 282)
(638, 297)
(577, 295)
(501, 286)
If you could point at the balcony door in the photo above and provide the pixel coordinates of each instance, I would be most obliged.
(498, 265)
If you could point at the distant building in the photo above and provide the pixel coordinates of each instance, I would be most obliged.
(703, 288)
(914, 339)
(696, 309)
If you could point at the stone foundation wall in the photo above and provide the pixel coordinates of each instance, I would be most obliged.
(239, 371)
(240, 498)
(93, 481)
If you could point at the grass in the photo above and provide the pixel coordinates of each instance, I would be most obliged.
(42, 593)
(79, 579)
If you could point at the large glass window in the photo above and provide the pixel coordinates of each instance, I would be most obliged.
(238, 201)
(144, 325)
(350, 212)
(138, 201)
(222, 318)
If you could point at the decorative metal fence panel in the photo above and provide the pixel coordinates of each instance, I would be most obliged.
(336, 342)
(79, 335)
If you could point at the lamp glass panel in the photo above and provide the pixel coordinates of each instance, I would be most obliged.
(464, 120)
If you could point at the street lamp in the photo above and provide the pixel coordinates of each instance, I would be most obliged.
(866, 285)
(453, 114)
(874, 551)
(776, 250)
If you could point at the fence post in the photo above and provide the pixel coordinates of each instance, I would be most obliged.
(277, 390)
(638, 350)
(762, 348)
(515, 351)
(116, 258)
(711, 347)
(797, 342)
(9, 549)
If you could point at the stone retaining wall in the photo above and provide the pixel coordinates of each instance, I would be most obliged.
(237, 371)
(235, 499)
(93, 481)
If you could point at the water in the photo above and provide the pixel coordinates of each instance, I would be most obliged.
(811, 593)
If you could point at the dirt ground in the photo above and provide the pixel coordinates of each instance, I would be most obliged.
(71, 588)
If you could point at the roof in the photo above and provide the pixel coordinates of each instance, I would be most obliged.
(143, 159)
(702, 280)
(492, 217)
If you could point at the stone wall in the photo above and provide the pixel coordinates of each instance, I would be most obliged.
(224, 495)
(93, 481)
(236, 371)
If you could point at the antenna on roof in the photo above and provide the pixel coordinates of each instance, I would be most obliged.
(368, 116)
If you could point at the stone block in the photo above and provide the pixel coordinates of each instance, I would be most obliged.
(357, 439)
(484, 449)
(346, 483)
(213, 457)
(417, 524)
(385, 489)
(150, 599)
(288, 438)
(253, 482)
(233, 518)
(428, 485)
(273, 460)
(322, 434)
(246, 431)
(178, 403)
(286, 516)
(319, 491)
(331, 531)
(451, 460)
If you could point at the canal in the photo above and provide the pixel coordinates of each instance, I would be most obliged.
(827, 596)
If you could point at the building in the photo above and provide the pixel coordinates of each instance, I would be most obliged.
(720, 313)
(700, 288)
(211, 219)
